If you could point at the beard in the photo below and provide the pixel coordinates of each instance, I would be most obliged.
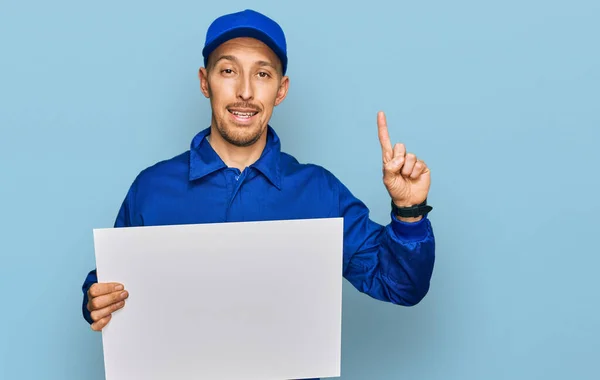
(246, 137)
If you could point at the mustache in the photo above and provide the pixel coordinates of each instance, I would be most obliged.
(245, 105)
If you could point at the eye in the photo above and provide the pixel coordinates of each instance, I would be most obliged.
(263, 74)
(227, 71)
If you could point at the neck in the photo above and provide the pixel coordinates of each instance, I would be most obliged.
(235, 156)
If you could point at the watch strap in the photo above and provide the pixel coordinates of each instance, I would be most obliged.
(412, 211)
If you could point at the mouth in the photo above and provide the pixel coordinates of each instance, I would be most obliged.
(242, 116)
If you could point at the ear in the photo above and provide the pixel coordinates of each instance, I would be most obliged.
(283, 90)
(204, 86)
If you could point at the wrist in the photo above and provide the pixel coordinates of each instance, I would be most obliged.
(410, 212)
(402, 203)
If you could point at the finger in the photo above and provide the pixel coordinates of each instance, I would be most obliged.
(409, 164)
(102, 288)
(393, 167)
(397, 161)
(384, 137)
(419, 169)
(99, 314)
(99, 325)
(399, 150)
(107, 300)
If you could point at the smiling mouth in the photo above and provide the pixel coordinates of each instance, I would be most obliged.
(243, 115)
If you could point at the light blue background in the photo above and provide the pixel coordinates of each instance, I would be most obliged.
(500, 98)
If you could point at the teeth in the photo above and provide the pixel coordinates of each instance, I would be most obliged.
(243, 114)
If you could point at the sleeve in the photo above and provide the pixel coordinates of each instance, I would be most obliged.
(124, 219)
(392, 263)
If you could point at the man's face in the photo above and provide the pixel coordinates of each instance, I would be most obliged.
(244, 82)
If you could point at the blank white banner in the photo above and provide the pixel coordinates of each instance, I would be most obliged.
(231, 301)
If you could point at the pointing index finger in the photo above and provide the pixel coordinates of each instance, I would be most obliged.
(384, 137)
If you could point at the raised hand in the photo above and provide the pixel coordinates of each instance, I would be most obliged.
(406, 178)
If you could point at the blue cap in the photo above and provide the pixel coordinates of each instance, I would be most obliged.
(246, 23)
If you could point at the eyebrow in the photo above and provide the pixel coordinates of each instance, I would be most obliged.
(234, 59)
(226, 57)
(266, 63)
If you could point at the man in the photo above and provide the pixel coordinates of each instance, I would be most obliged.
(235, 171)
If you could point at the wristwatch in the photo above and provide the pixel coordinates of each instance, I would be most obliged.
(411, 211)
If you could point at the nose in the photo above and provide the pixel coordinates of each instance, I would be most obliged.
(245, 90)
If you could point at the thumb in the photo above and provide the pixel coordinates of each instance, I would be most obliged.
(392, 168)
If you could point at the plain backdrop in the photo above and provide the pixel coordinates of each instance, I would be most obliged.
(500, 98)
